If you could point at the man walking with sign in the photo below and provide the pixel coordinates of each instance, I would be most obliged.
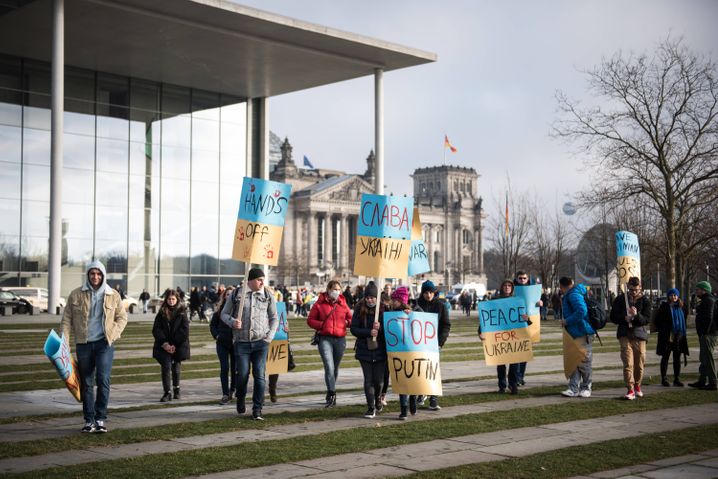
(253, 330)
(575, 320)
(430, 303)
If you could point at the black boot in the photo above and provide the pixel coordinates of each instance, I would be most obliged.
(404, 413)
(664, 382)
(167, 397)
(176, 392)
(331, 399)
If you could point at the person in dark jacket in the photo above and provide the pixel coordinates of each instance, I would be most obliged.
(330, 317)
(671, 327)
(522, 279)
(349, 297)
(632, 334)
(370, 347)
(506, 290)
(430, 303)
(707, 329)
(171, 333)
(222, 335)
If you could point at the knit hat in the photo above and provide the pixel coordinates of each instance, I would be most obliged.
(673, 291)
(705, 285)
(371, 290)
(401, 294)
(428, 286)
(255, 273)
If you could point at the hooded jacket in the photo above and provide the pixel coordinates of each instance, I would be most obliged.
(575, 312)
(77, 313)
(330, 319)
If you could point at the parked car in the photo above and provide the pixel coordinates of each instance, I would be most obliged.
(36, 296)
(131, 305)
(19, 305)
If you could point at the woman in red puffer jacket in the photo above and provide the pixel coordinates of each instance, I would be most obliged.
(330, 317)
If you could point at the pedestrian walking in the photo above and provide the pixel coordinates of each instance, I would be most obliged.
(575, 321)
(707, 329)
(222, 334)
(171, 347)
(145, 298)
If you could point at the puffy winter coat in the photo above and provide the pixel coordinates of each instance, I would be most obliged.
(330, 318)
(361, 326)
(575, 312)
(174, 331)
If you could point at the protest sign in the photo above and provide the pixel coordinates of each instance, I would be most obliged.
(628, 254)
(418, 257)
(383, 236)
(58, 352)
(506, 336)
(278, 352)
(412, 346)
(260, 221)
(531, 294)
(574, 353)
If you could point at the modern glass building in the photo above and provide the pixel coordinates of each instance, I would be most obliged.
(165, 111)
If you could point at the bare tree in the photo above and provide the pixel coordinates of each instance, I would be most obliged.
(510, 234)
(654, 138)
(548, 239)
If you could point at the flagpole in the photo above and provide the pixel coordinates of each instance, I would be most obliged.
(444, 149)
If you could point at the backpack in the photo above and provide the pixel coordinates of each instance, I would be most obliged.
(596, 313)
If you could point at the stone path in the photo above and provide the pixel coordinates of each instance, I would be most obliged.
(702, 465)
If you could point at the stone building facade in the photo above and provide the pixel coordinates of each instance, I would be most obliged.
(321, 223)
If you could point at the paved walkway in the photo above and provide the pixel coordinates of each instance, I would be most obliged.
(478, 448)
(703, 465)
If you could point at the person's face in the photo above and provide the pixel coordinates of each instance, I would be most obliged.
(700, 292)
(506, 288)
(256, 284)
(370, 301)
(522, 279)
(672, 298)
(387, 289)
(428, 295)
(227, 293)
(634, 290)
(95, 277)
(171, 301)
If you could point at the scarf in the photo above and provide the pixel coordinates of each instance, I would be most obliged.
(679, 320)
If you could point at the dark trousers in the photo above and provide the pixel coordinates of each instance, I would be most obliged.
(373, 380)
(673, 348)
(227, 367)
(170, 373)
(513, 375)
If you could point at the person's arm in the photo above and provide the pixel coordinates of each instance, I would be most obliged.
(313, 319)
(644, 314)
(357, 325)
(226, 315)
(444, 326)
(120, 318)
(272, 318)
(578, 309)
(182, 333)
(67, 318)
(158, 331)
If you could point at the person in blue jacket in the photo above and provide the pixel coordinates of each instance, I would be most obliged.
(575, 320)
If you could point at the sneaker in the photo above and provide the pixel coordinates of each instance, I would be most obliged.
(514, 390)
(677, 383)
(420, 400)
(698, 384)
(176, 394)
(100, 427)
(569, 394)
(370, 413)
(257, 415)
(502, 390)
(586, 393)
(89, 427)
(665, 383)
(241, 408)
(383, 400)
(638, 391)
(166, 398)
(709, 387)
(434, 404)
(522, 382)
(630, 395)
(224, 400)
(412, 405)
(404, 413)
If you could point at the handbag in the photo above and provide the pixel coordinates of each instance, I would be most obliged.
(315, 338)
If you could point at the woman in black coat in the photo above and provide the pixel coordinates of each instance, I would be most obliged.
(671, 326)
(171, 333)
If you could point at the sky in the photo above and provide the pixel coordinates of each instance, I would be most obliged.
(492, 90)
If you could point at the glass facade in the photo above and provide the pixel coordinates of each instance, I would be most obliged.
(152, 175)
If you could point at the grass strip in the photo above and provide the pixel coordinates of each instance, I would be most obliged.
(590, 458)
(263, 453)
(599, 407)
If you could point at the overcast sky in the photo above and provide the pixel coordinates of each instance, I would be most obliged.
(492, 90)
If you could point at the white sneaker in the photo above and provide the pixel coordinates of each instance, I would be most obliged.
(569, 394)
(586, 393)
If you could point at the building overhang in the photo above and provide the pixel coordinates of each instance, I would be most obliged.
(212, 45)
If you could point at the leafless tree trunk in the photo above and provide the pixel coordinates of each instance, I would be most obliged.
(653, 139)
(510, 239)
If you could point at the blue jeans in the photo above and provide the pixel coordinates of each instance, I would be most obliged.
(331, 350)
(513, 375)
(256, 353)
(521, 372)
(583, 371)
(227, 367)
(95, 362)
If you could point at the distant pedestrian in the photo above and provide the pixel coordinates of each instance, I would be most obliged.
(557, 304)
(96, 321)
(707, 329)
(672, 338)
(171, 333)
(330, 317)
(465, 300)
(145, 298)
(348, 297)
(632, 334)
(575, 321)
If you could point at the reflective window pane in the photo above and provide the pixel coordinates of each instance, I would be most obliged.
(79, 152)
(112, 155)
(9, 181)
(36, 146)
(36, 182)
(10, 143)
(9, 218)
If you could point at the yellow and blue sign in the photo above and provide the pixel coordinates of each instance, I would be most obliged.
(418, 257)
(278, 352)
(260, 221)
(507, 339)
(412, 346)
(628, 253)
(531, 294)
(383, 236)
